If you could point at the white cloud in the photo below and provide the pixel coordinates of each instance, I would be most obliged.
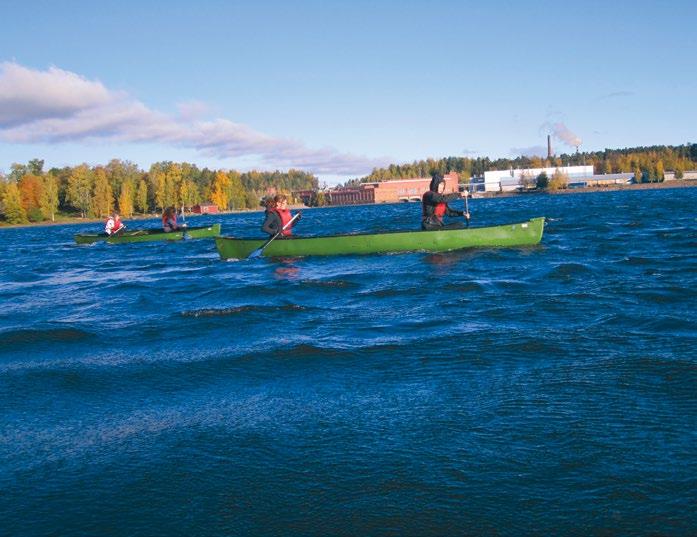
(27, 95)
(57, 106)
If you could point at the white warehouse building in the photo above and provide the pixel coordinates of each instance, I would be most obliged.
(508, 180)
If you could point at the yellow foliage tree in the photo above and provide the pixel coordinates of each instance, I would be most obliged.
(102, 195)
(558, 181)
(12, 201)
(159, 181)
(221, 188)
(188, 193)
(126, 198)
(141, 201)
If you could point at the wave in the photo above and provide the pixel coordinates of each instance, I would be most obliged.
(236, 310)
(49, 335)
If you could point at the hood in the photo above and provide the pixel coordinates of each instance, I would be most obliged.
(436, 179)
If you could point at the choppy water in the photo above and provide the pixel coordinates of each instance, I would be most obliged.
(152, 389)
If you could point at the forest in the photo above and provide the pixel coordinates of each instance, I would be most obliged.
(30, 194)
(649, 163)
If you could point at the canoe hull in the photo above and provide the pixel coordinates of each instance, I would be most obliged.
(203, 232)
(521, 234)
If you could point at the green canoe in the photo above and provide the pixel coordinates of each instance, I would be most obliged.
(147, 235)
(522, 234)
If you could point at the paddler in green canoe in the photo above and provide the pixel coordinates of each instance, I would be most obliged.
(169, 220)
(113, 224)
(434, 206)
(277, 217)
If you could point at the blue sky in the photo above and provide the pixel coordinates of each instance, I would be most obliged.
(339, 87)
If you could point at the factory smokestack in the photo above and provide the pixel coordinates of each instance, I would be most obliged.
(549, 146)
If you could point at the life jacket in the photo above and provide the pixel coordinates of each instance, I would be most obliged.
(432, 212)
(112, 225)
(285, 217)
(169, 221)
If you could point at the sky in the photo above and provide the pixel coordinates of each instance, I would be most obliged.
(338, 88)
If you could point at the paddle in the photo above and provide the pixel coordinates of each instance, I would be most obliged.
(258, 251)
(467, 209)
(185, 235)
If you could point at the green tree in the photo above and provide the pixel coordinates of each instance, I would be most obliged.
(542, 181)
(14, 212)
(251, 200)
(236, 191)
(79, 192)
(49, 197)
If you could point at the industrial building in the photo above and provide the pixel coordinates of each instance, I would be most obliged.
(388, 191)
(511, 180)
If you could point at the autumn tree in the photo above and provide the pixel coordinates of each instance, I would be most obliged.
(638, 175)
(158, 180)
(558, 181)
(141, 201)
(188, 193)
(126, 198)
(221, 189)
(102, 195)
(14, 212)
(660, 172)
(30, 192)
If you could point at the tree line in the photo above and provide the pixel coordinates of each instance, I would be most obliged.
(647, 163)
(30, 194)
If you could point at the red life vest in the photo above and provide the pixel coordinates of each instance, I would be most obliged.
(285, 217)
(112, 225)
(439, 210)
(169, 220)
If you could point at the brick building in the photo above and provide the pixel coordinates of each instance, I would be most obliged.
(388, 191)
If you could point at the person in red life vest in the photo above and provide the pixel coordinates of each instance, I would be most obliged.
(277, 216)
(169, 220)
(434, 206)
(113, 224)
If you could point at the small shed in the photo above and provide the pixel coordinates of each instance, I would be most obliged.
(205, 208)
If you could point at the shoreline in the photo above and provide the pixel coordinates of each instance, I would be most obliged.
(678, 183)
(76, 220)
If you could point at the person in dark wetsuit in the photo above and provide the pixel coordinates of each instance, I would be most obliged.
(277, 215)
(434, 205)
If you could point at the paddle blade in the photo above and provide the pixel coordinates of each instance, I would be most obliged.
(255, 254)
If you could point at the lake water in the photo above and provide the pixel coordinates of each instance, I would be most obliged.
(153, 389)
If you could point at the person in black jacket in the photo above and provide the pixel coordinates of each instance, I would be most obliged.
(434, 206)
(277, 216)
